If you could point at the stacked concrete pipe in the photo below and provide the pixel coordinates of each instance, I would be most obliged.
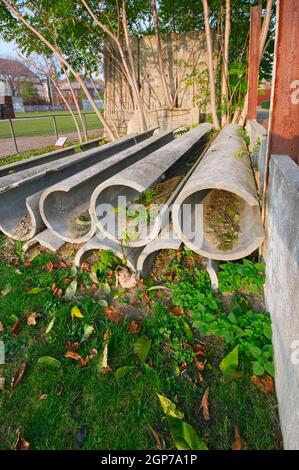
(20, 192)
(63, 203)
(226, 166)
(136, 179)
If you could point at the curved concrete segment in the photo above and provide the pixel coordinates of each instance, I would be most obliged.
(225, 167)
(146, 258)
(97, 243)
(133, 181)
(62, 205)
(20, 218)
(47, 239)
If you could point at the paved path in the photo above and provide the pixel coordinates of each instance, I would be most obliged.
(36, 142)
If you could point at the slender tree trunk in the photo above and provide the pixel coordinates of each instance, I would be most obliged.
(143, 120)
(210, 65)
(100, 99)
(264, 34)
(225, 62)
(77, 106)
(68, 107)
(166, 91)
(64, 62)
(128, 70)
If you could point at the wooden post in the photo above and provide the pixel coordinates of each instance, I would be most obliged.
(13, 135)
(284, 112)
(254, 61)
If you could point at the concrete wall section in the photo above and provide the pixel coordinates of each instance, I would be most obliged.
(282, 289)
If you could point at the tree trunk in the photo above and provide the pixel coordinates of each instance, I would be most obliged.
(264, 34)
(129, 73)
(64, 62)
(210, 65)
(225, 62)
(77, 106)
(166, 91)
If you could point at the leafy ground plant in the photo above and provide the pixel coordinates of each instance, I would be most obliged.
(85, 374)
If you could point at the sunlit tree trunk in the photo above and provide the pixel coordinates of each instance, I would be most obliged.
(225, 61)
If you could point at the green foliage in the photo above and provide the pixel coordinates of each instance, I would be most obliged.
(265, 104)
(105, 262)
(235, 276)
(244, 135)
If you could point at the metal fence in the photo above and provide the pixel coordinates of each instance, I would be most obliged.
(55, 125)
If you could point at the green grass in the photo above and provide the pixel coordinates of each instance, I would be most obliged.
(44, 126)
(115, 413)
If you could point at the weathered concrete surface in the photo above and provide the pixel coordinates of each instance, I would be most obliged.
(133, 181)
(282, 289)
(47, 157)
(98, 242)
(226, 166)
(258, 146)
(20, 192)
(148, 253)
(63, 203)
(47, 239)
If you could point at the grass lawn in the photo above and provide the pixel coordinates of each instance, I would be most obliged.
(173, 341)
(44, 126)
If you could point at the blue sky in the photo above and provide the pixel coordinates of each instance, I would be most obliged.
(7, 49)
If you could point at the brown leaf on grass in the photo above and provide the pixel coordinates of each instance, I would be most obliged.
(265, 383)
(137, 374)
(133, 326)
(66, 280)
(92, 354)
(145, 297)
(126, 279)
(59, 293)
(177, 311)
(15, 330)
(62, 265)
(26, 264)
(76, 357)
(239, 443)
(19, 375)
(155, 436)
(106, 335)
(85, 267)
(1, 327)
(43, 396)
(49, 267)
(21, 443)
(199, 349)
(113, 314)
(204, 406)
(56, 290)
(31, 318)
(72, 346)
(2, 383)
(200, 365)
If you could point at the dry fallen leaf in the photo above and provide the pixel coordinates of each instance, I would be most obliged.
(21, 443)
(92, 354)
(31, 318)
(85, 267)
(62, 265)
(199, 349)
(200, 365)
(204, 406)
(145, 297)
(17, 326)
(76, 357)
(2, 383)
(43, 396)
(133, 326)
(106, 335)
(26, 264)
(19, 375)
(239, 443)
(126, 279)
(177, 311)
(49, 267)
(1, 327)
(265, 383)
(113, 314)
(72, 346)
(156, 437)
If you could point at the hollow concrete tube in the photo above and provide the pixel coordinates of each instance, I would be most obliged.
(46, 239)
(225, 167)
(98, 242)
(134, 180)
(20, 193)
(62, 205)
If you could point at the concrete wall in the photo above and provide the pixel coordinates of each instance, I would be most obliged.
(182, 52)
(282, 289)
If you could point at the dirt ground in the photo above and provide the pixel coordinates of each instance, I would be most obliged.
(35, 142)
